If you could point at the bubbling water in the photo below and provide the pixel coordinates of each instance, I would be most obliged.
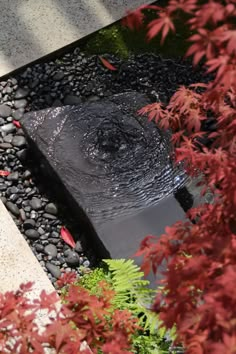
(121, 161)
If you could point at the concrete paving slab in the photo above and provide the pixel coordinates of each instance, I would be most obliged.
(32, 29)
(17, 262)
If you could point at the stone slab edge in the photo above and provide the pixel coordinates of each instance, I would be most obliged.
(18, 264)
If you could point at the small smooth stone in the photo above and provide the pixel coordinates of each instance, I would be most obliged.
(49, 216)
(72, 100)
(8, 138)
(93, 99)
(41, 231)
(34, 215)
(13, 208)
(19, 141)
(22, 154)
(61, 259)
(26, 175)
(19, 201)
(39, 248)
(21, 93)
(20, 103)
(51, 250)
(5, 146)
(54, 270)
(12, 190)
(86, 263)
(78, 247)
(18, 114)
(57, 103)
(14, 176)
(54, 241)
(20, 132)
(54, 234)
(39, 257)
(36, 203)
(22, 215)
(34, 83)
(73, 259)
(27, 208)
(8, 128)
(29, 224)
(32, 234)
(13, 197)
(58, 76)
(5, 111)
(67, 252)
(51, 208)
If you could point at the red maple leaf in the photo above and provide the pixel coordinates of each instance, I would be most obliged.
(187, 6)
(67, 237)
(229, 36)
(162, 24)
(66, 279)
(16, 123)
(107, 64)
(4, 173)
(134, 19)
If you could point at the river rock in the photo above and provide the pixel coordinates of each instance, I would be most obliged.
(54, 270)
(13, 208)
(32, 234)
(72, 259)
(51, 250)
(5, 111)
(29, 224)
(51, 208)
(20, 103)
(36, 203)
(21, 93)
(8, 128)
(19, 141)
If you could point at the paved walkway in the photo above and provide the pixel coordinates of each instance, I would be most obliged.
(17, 262)
(31, 29)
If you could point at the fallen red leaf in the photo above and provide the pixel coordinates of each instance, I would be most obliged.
(4, 173)
(67, 237)
(107, 64)
(16, 123)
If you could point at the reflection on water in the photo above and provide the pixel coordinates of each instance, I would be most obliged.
(113, 161)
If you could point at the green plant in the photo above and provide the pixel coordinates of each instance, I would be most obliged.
(90, 280)
(132, 293)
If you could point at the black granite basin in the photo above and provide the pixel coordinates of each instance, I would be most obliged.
(112, 166)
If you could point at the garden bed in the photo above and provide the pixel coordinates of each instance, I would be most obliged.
(69, 79)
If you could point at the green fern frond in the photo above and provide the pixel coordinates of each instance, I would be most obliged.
(133, 292)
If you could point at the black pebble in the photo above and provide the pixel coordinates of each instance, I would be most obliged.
(32, 234)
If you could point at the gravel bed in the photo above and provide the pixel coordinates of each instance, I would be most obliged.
(71, 79)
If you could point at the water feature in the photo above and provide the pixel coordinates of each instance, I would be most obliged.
(114, 163)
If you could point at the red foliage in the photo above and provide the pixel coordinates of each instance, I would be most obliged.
(199, 295)
(107, 64)
(67, 237)
(16, 123)
(84, 323)
(4, 173)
